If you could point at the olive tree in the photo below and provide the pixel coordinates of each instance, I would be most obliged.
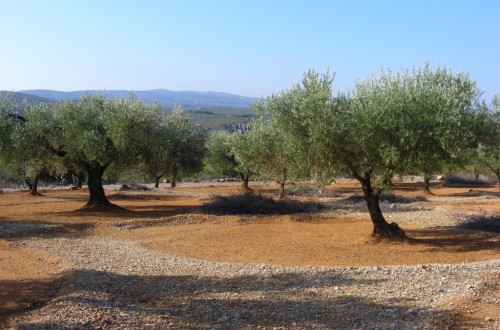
(96, 132)
(373, 133)
(7, 127)
(229, 153)
(438, 118)
(31, 145)
(25, 138)
(154, 159)
(178, 149)
(489, 147)
(275, 154)
(185, 146)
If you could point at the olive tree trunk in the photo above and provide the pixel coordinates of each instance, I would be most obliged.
(157, 179)
(381, 228)
(282, 189)
(77, 180)
(28, 183)
(427, 183)
(34, 186)
(96, 189)
(476, 173)
(495, 170)
(282, 183)
(244, 177)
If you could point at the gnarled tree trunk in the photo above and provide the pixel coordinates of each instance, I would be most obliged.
(381, 228)
(282, 189)
(427, 183)
(495, 170)
(244, 180)
(157, 179)
(476, 173)
(34, 186)
(77, 180)
(29, 184)
(282, 183)
(173, 180)
(96, 190)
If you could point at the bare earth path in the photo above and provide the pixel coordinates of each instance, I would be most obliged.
(165, 264)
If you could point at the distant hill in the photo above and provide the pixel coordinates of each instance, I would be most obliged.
(211, 110)
(20, 97)
(165, 98)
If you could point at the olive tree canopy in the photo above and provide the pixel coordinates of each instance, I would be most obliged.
(96, 132)
(185, 146)
(393, 123)
(489, 147)
(231, 153)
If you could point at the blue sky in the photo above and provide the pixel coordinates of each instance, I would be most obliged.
(251, 48)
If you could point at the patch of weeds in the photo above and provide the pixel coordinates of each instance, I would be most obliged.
(482, 222)
(308, 191)
(250, 203)
(352, 203)
(388, 203)
(392, 198)
(134, 187)
(463, 181)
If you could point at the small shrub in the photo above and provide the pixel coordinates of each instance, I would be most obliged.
(250, 203)
(388, 203)
(483, 223)
(134, 187)
(353, 203)
(392, 198)
(459, 180)
(307, 191)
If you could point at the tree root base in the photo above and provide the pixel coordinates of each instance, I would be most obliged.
(109, 207)
(391, 231)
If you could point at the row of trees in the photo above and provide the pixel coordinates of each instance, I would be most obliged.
(94, 134)
(418, 121)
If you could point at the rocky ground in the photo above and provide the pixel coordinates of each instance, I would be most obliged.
(65, 270)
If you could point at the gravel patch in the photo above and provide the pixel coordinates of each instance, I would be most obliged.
(121, 285)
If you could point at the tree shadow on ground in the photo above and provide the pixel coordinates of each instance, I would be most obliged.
(312, 300)
(453, 240)
(138, 211)
(12, 230)
(142, 197)
(127, 212)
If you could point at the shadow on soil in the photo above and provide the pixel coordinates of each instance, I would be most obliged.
(455, 241)
(131, 212)
(12, 230)
(205, 302)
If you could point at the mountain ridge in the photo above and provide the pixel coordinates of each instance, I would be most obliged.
(19, 97)
(164, 97)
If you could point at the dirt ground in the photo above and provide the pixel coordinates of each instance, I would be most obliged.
(170, 220)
